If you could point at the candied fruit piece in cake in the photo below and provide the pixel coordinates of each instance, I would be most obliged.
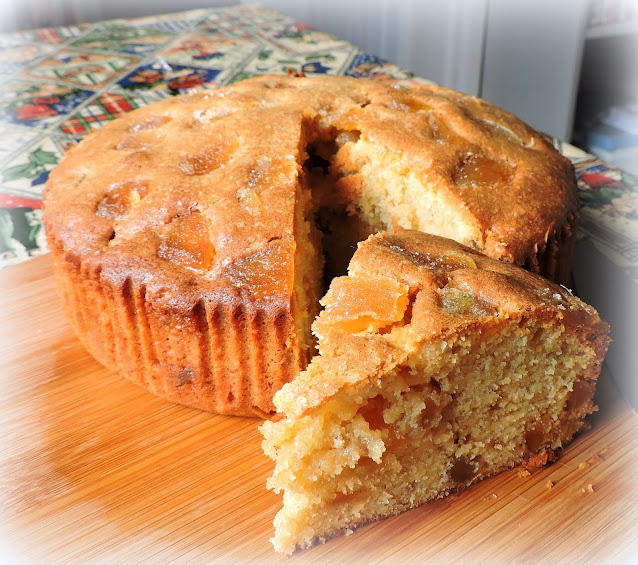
(266, 273)
(458, 301)
(481, 170)
(364, 303)
(138, 140)
(121, 198)
(188, 242)
(493, 366)
(208, 160)
(199, 163)
(150, 122)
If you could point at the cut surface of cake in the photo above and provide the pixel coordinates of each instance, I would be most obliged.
(438, 367)
(186, 235)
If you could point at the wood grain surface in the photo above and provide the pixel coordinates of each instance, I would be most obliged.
(96, 470)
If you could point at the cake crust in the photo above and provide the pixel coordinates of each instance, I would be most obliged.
(168, 223)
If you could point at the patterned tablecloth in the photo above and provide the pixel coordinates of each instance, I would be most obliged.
(60, 83)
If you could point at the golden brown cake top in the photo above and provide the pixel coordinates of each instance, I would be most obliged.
(197, 192)
(410, 288)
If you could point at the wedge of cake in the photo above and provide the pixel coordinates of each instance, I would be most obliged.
(438, 367)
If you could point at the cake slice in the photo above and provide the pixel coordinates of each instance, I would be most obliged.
(438, 367)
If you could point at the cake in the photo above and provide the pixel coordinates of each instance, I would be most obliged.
(189, 237)
(438, 367)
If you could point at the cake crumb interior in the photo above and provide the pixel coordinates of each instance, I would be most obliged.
(350, 188)
(456, 411)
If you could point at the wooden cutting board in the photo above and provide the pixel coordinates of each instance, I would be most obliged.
(94, 469)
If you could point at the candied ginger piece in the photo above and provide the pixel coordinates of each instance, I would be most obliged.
(357, 304)
(452, 261)
(408, 103)
(459, 302)
(481, 170)
(188, 242)
(138, 140)
(206, 161)
(150, 122)
(137, 158)
(121, 198)
(201, 117)
(444, 262)
(440, 131)
(266, 273)
(456, 301)
(249, 200)
(498, 129)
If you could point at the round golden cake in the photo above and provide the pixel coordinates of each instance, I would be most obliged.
(188, 237)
